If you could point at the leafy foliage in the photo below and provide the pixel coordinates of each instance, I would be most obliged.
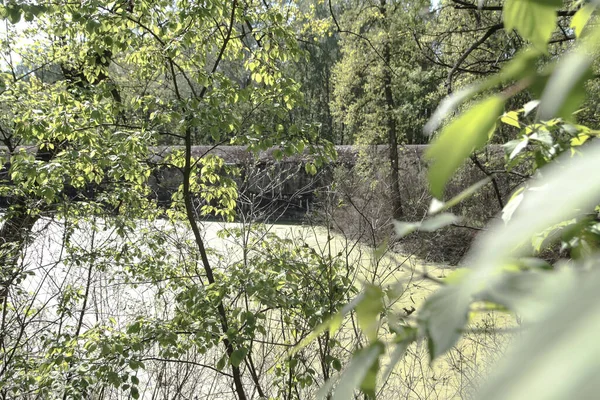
(559, 203)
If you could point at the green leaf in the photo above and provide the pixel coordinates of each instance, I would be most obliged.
(566, 190)
(565, 91)
(535, 20)
(511, 118)
(336, 364)
(430, 225)
(542, 136)
(396, 356)
(581, 18)
(221, 363)
(437, 206)
(331, 324)
(37, 9)
(448, 106)
(405, 228)
(561, 348)
(238, 356)
(368, 310)
(135, 327)
(530, 106)
(514, 147)
(327, 387)
(335, 323)
(465, 134)
(522, 65)
(439, 221)
(369, 382)
(521, 291)
(14, 14)
(113, 378)
(512, 205)
(442, 318)
(381, 250)
(354, 375)
(310, 168)
(91, 26)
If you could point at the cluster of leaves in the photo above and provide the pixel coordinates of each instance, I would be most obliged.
(75, 365)
(127, 75)
(265, 279)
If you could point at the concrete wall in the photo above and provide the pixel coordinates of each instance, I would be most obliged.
(284, 189)
(272, 189)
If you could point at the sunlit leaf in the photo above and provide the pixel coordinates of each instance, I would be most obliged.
(579, 140)
(467, 133)
(448, 106)
(511, 118)
(581, 18)
(369, 383)
(514, 147)
(527, 292)
(567, 189)
(522, 65)
(564, 91)
(326, 388)
(437, 206)
(530, 106)
(512, 205)
(396, 355)
(442, 318)
(368, 310)
(438, 221)
(356, 371)
(535, 20)
(310, 168)
(429, 225)
(562, 348)
(405, 228)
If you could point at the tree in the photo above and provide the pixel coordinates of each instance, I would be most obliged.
(466, 60)
(319, 40)
(383, 88)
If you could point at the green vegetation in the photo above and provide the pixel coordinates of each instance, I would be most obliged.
(106, 291)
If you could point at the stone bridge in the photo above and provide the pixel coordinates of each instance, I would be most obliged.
(278, 189)
(271, 189)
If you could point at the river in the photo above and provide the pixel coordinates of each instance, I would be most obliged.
(65, 266)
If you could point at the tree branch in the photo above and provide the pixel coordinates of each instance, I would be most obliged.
(491, 30)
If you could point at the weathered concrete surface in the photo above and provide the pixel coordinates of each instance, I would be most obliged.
(239, 154)
(282, 188)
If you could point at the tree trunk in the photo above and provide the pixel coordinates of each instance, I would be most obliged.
(392, 133)
(13, 237)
